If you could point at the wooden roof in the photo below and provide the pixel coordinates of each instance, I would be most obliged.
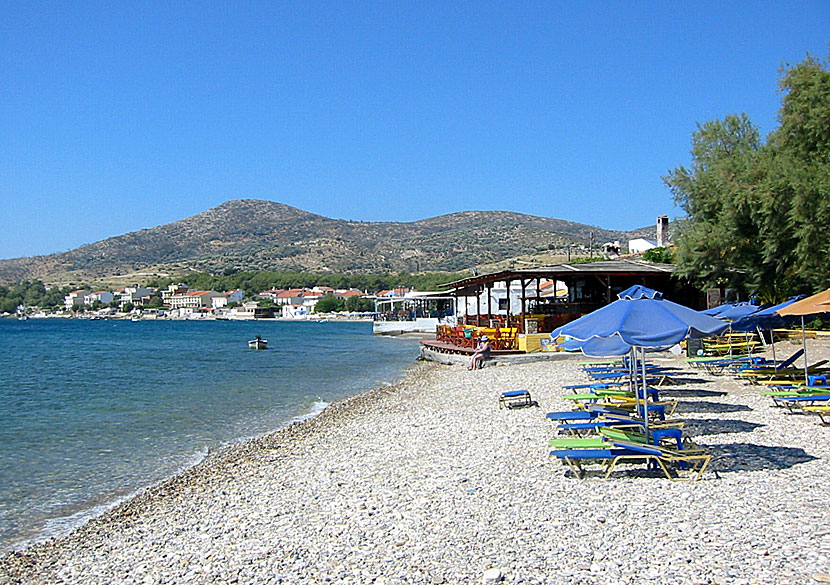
(567, 272)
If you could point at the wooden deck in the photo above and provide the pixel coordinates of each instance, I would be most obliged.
(445, 347)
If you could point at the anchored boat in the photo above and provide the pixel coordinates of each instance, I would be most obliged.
(258, 343)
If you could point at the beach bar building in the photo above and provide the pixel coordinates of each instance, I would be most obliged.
(519, 300)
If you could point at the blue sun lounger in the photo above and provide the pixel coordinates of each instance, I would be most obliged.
(800, 401)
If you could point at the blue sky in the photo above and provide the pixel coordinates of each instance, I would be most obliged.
(120, 116)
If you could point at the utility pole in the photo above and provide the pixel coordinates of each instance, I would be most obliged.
(591, 246)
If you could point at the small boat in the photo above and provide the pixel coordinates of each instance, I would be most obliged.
(258, 343)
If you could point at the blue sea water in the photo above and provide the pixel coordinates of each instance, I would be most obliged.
(91, 411)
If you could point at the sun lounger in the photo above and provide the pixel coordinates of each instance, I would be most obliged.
(569, 415)
(515, 399)
(802, 401)
(578, 443)
(675, 464)
(822, 411)
(575, 459)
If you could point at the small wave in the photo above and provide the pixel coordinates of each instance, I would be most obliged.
(64, 525)
(316, 408)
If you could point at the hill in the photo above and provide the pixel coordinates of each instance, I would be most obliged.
(263, 235)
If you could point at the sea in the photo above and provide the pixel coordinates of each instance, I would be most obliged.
(93, 411)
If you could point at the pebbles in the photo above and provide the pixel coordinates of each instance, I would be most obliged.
(429, 482)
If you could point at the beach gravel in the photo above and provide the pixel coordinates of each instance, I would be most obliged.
(427, 481)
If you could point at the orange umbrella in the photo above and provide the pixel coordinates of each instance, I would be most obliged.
(814, 305)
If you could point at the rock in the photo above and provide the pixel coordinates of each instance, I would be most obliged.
(492, 576)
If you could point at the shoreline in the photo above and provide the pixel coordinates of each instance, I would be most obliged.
(427, 481)
(213, 462)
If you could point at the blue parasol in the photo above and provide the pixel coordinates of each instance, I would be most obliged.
(640, 323)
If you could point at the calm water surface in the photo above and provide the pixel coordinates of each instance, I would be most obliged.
(91, 411)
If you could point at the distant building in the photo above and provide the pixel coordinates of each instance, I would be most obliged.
(294, 312)
(611, 249)
(662, 231)
(640, 245)
(173, 290)
(293, 296)
(196, 299)
(271, 294)
(235, 296)
(75, 298)
(137, 295)
(102, 296)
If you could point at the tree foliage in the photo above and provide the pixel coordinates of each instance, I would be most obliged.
(31, 293)
(659, 255)
(759, 209)
(329, 304)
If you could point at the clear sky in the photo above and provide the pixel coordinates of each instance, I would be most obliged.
(120, 116)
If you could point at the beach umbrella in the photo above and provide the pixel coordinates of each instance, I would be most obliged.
(766, 319)
(598, 347)
(732, 311)
(641, 323)
(638, 291)
(818, 304)
(602, 347)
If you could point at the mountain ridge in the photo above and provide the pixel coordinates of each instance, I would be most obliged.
(255, 234)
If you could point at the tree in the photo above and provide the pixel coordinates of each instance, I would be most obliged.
(359, 305)
(659, 255)
(329, 304)
(758, 210)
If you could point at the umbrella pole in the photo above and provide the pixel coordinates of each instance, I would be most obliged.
(645, 396)
(804, 345)
(771, 342)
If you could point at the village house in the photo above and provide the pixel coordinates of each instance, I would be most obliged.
(195, 299)
(102, 296)
(293, 296)
(640, 245)
(75, 298)
(271, 294)
(135, 294)
(347, 294)
(173, 290)
(235, 296)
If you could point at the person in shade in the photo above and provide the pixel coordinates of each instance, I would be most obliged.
(481, 353)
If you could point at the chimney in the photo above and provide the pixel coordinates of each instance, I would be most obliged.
(662, 231)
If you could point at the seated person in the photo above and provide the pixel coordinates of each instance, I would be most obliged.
(481, 353)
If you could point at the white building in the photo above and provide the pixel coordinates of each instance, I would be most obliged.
(272, 294)
(137, 295)
(640, 245)
(294, 312)
(235, 296)
(102, 296)
(173, 290)
(292, 296)
(195, 299)
(75, 298)
(310, 301)
(500, 301)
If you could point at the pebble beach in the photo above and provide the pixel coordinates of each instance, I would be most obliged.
(427, 481)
